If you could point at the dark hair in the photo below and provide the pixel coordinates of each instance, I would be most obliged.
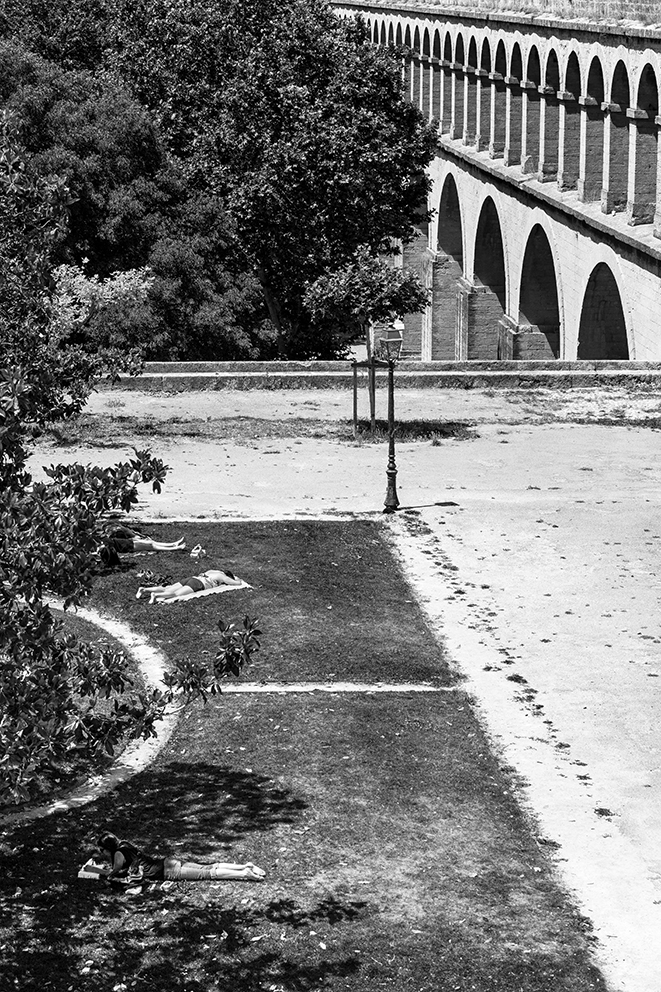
(109, 842)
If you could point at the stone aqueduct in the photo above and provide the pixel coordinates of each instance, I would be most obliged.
(545, 238)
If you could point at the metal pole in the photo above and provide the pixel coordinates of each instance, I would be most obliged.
(355, 401)
(391, 502)
(371, 374)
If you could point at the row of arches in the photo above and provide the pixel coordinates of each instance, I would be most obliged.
(583, 118)
(480, 311)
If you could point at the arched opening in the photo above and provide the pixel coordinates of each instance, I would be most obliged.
(384, 39)
(514, 129)
(425, 71)
(416, 70)
(499, 97)
(375, 35)
(550, 122)
(458, 83)
(448, 268)
(570, 126)
(539, 315)
(408, 65)
(483, 136)
(436, 80)
(470, 117)
(391, 35)
(448, 76)
(616, 157)
(483, 307)
(602, 332)
(641, 201)
(590, 180)
(531, 114)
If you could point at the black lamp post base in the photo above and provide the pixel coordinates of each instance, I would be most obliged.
(392, 502)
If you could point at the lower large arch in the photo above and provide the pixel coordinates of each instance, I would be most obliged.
(602, 333)
(447, 270)
(539, 314)
(482, 306)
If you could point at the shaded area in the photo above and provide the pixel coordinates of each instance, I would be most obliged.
(396, 858)
(602, 332)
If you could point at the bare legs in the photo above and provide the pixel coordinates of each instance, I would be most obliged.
(191, 871)
(146, 544)
(178, 590)
(157, 593)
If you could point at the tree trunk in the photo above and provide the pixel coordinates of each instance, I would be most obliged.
(272, 306)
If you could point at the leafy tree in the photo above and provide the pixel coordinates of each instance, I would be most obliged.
(72, 33)
(52, 685)
(284, 118)
(49, 531)
(366, 291)
(131, 206)
(295, 122)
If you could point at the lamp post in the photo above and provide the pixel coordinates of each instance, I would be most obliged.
(392, 345)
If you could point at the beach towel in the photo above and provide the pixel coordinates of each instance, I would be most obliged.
(206, 592)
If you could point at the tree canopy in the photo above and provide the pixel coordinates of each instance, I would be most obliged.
(286, 122)
(130, 207)
(296, 122)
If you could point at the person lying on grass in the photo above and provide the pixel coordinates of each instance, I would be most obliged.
(131, 866)
(213, 578)
(124, 540)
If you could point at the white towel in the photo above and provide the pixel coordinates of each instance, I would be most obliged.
(204, 592)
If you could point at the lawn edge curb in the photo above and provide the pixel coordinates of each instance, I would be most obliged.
(138, 754)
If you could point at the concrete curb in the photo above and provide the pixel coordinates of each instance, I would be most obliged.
(206, 376)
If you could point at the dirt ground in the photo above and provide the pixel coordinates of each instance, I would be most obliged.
(535, 547)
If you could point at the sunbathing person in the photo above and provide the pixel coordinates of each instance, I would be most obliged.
(124, 540)
(211, 579)
(131, 866)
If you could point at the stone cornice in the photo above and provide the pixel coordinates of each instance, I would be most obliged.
(617, 32)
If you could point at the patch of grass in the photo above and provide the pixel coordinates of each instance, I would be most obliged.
(397, 857)
(330, 600)
(116, 430)
(417, 430)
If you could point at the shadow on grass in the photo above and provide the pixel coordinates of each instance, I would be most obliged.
(54, 925)
(435, 431)
(159, 942)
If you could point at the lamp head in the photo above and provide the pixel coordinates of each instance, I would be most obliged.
(391, 341)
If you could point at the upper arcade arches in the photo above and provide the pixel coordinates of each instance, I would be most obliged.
(577, 111)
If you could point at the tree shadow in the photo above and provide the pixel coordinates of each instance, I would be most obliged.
(163, 942)
(199, 803)
(58, 922)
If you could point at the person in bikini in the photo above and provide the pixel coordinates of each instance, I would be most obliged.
(131, 866)
(211, 579)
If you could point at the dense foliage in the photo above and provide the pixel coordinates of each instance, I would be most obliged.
(289, 134)
(131, 207)
(51, 530)
(190, 179)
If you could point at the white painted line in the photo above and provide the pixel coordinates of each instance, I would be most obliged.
(138, 518)
(368, 687)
